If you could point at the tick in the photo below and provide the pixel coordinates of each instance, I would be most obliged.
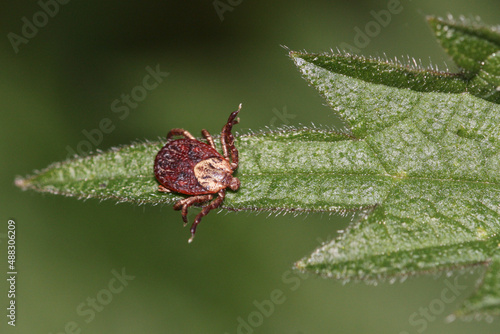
(191, 167)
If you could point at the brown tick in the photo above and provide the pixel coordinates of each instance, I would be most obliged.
(191, 167)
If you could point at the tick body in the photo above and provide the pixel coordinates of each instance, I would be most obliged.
(191, 167)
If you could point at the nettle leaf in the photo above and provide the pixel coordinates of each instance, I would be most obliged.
(474, 47)
(305, 169)
(437, 137)
(468, 43)
(419, 159)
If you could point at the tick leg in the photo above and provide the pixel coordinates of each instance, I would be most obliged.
(227, 139)
(179, 132)
(206, 209)
(163, 189)
(208, 137)
(185, 203)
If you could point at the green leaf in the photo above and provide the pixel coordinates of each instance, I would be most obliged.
(292, 169)
(437, 135)
(474, 47)
(124, 174)
(486, 83)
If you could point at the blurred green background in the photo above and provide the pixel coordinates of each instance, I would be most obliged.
(64, 80)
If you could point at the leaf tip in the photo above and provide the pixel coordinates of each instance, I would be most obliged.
(21, 182)
(301, 265)
(292, 53)
(431, 18)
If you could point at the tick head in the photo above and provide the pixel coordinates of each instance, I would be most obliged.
(234, 184)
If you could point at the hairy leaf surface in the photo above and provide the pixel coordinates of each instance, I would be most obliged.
(437, 135)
